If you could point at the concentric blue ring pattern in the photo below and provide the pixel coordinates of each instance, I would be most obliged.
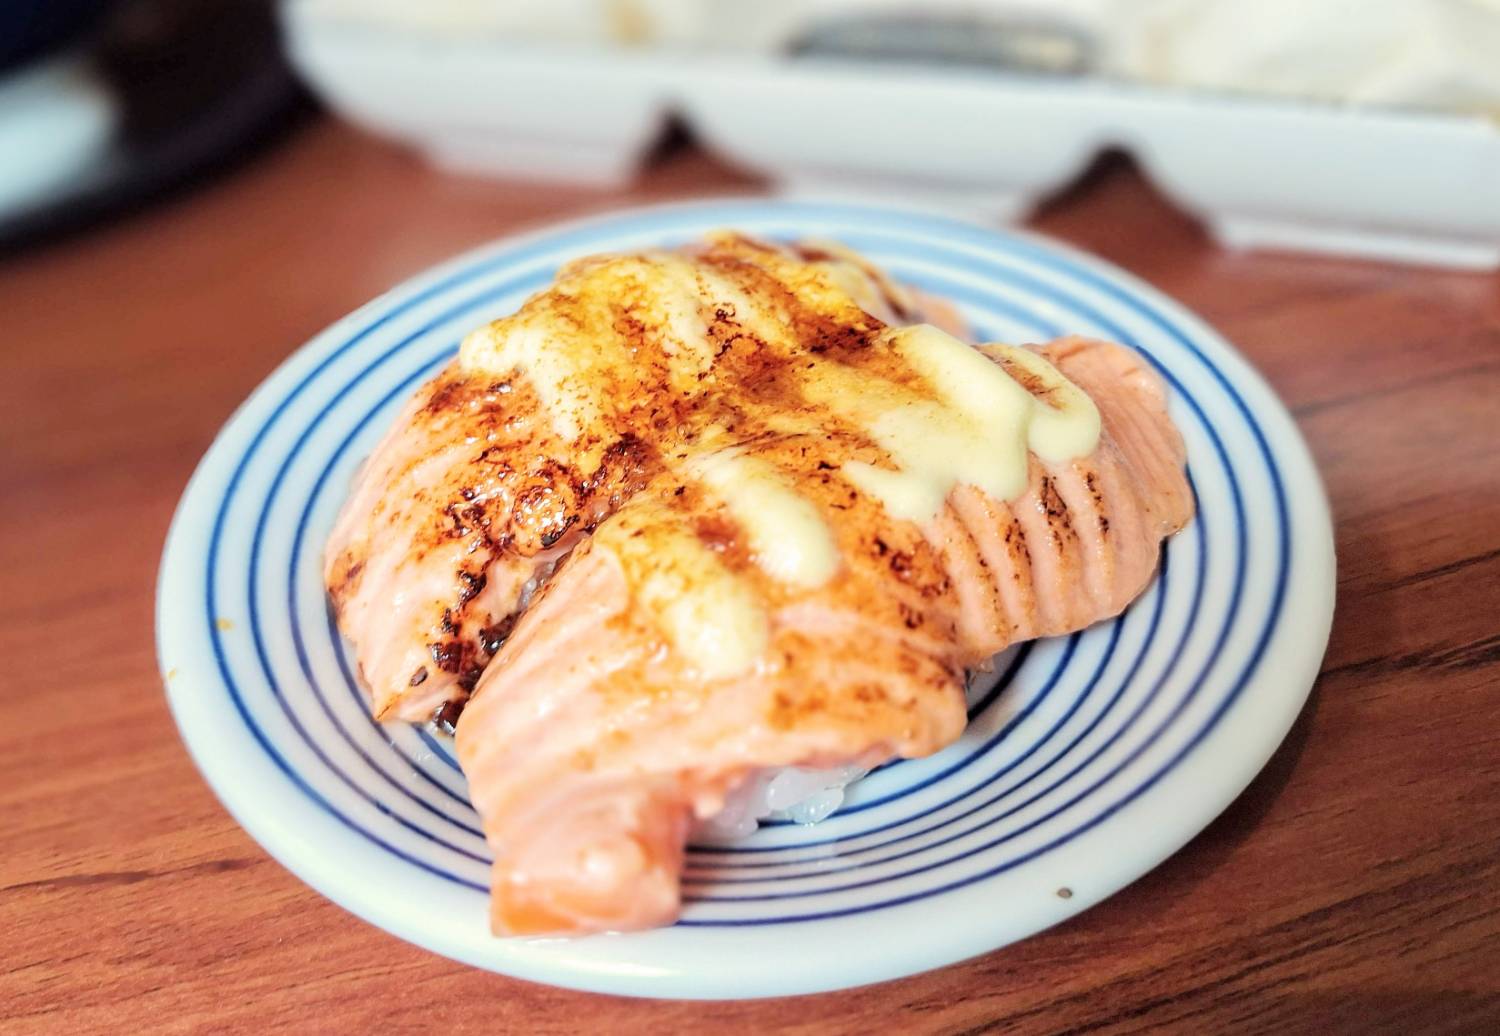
(1064, 734)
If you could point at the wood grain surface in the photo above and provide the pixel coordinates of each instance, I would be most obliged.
(1355, 887)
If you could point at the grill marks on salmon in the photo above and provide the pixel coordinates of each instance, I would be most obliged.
(1080, 544)
(454, 522)
(602, 725)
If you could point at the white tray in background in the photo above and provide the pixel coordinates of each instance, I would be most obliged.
(1407, 187)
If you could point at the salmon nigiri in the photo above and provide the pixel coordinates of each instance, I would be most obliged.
(723, 510)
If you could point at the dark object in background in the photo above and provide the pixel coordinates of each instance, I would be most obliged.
(201, 86)
(31, 28)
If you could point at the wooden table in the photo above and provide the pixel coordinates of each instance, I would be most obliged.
(1355, 885)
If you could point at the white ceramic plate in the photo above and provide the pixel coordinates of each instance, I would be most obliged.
(1093, 758)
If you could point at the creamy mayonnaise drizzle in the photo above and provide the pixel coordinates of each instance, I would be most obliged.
(789, 539)
(978, 430)
(555, 342)
(710, 615)
(960, 419)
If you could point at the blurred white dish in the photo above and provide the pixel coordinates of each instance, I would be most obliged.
(1402, 186)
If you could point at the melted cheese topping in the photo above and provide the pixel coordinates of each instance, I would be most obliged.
(707, 353)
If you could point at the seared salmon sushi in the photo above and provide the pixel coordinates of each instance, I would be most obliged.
(691, 516)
